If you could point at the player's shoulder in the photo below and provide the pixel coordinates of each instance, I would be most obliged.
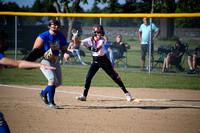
(60, 34)
(43, 34)
(102, 39)
(1, 55)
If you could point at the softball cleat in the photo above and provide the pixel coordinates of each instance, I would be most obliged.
(53, 106)
(81, 98)
(128, 97)
(43, 97)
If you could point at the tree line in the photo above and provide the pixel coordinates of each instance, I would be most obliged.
(130, 6)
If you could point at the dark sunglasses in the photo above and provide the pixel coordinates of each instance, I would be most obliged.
(55, 23)
(99, 32)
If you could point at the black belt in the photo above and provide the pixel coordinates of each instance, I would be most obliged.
(98, 57)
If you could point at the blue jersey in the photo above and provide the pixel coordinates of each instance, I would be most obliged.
(106, 46)
(1, 55)
(1, 66)
(54, 42)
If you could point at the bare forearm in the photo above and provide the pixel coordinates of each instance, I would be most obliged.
(28, 65)
(23, 64)
(156, 35)
(140, 33)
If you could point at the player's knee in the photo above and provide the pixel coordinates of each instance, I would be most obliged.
(52, 81)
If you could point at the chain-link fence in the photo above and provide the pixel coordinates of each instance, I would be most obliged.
(28, 28)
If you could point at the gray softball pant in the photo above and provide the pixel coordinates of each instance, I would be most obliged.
(53, 76)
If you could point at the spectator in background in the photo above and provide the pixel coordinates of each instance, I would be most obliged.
(74, 50)
(144, 36)
(174, 57)
(117, 49)
(194, 60)
(107, 45)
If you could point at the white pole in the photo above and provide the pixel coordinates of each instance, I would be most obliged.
(15, 37)
(100, 21)
(150, 40)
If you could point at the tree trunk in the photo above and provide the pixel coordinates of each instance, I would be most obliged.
(167, 24)
(166, 27)
(62, 22)
(70, 27)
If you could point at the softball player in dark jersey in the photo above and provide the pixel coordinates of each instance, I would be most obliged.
(96, 45)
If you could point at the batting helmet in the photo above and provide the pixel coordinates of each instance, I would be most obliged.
(98, 29)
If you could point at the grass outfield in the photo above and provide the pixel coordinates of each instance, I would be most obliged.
(74, 75)
(132, 79)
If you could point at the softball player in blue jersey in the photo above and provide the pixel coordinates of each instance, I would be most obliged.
(51, 42)
(100, 60)
(4, 61)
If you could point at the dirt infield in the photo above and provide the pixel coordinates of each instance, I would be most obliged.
(105, 111)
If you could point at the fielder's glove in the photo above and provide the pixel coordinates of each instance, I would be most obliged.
(75, 33)
(93, 49)
(34, 54)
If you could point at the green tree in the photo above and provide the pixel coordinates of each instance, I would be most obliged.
(67, 9)
(188, 6)
(74, 8)
(10, 6)
(167, 24)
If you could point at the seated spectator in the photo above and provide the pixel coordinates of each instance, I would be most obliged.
(74, 50)
(174, 57)
(117, 49)
(194, 60)
(106, 45)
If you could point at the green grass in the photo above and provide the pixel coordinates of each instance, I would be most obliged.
(74, 75)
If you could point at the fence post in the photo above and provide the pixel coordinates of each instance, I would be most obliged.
(150, 40)
(15, 37)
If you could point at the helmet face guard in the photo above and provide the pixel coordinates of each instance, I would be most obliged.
(54, 22)
(98, 29)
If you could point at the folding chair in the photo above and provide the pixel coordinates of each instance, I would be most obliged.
(198, 67)
(163, 50)
(178, 64)
(122, 59)
(73, 57)
(159, 61)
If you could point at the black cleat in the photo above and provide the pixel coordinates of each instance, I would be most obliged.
(43, 97)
